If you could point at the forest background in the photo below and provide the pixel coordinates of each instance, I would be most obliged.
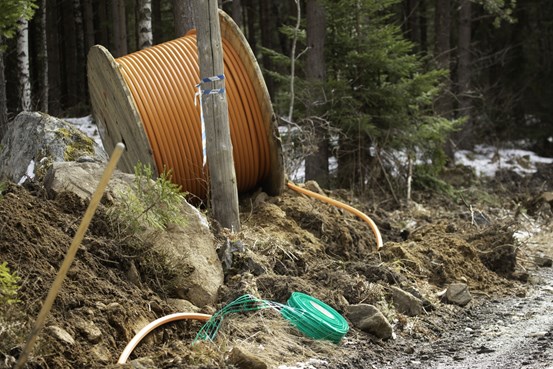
(365, 89)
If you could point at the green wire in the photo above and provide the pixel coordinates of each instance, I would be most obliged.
(310, 316)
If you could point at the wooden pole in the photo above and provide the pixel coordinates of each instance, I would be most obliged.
(224, 194)
(70, 255)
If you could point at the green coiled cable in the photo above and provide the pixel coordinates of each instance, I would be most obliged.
(310, 316)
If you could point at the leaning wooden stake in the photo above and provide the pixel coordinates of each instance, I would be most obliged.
(47, 306)
(224, 194)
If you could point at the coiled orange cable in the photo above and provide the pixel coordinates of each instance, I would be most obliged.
(162, 82)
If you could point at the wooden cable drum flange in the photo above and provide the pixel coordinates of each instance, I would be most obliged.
(146, 100)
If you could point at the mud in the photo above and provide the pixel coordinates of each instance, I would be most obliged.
(291, 243)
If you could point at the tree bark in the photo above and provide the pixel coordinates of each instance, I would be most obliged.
(267, 36)
(80, 60)
(145, 37)
(70, 63)
(103, 23)
(237, 12)
(250, 20)
(119, 27)
(413, 22)
(54, 61)
(442, 50)
(88, 19)
(43, 57)
(183, 14)
(23, 64)
(157, 25)
(224, 194)
(316, 164)
(3, 95)
(464, 137)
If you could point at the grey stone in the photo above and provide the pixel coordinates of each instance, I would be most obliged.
(458, 294)
(245, 360)
(89, 330)
(182, 306)
(406, 303)
(369, 319)
(101, 354)
(33, 141)
(190, 247)
(60, 334)
(543, 261)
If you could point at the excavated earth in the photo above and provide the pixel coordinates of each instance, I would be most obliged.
(292, 243)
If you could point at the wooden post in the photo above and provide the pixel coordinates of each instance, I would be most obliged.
(224, 194)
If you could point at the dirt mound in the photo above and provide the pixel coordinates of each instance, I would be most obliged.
(288, 243)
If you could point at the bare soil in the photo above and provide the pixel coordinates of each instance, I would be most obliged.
(290, 243)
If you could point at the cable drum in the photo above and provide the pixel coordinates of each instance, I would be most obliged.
(314, 318)
(146, 100)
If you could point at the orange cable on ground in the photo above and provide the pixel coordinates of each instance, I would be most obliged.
(153, 325)
(341, 205)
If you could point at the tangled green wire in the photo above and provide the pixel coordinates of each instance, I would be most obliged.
(312, 317)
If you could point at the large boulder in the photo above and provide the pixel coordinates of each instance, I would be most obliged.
(34, 141)
(191, 247)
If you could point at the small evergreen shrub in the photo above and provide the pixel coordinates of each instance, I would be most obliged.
(148, 203)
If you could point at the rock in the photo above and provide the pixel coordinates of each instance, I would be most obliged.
(244, 360)
(458, 294)
(369, 319)
(101, 354)
(143, 363)
(543, 261)
(405, 302)
(182, 306)
(82, 179)
(89, 330)
(191, 248)
(33, 141)
(313, 186)
(60, 334)
(426, 304)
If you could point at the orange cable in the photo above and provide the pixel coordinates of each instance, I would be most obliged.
(346, 207)
(127, 351)
(162, 81)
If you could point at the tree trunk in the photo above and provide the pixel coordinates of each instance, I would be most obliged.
(145, 24)
(103, 23)
(463, 137)
(442, 50)
(43, 58)
(413, 22)
(237, 12)
(80, 60)
(224, 194)
(423, 22)
(183, 15)
(88, 19)
(157, 25)
(316, 164)
(119, 27)
(267, 36)
(3, 95)
(250, 15)
(54, 62)
(70, 62)
(23, 64)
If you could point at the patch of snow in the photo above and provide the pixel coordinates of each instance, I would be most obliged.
(88, 127)
(309, 364)
(29, 173)
(520, 236)
(487, 160)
